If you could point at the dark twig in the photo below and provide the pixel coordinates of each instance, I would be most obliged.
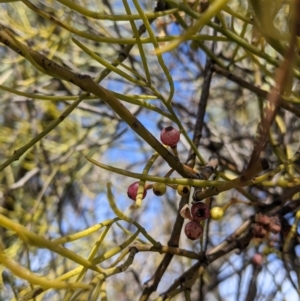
(151, 284)
(237, 240)
(252, 289)
(201, 110)
(188, 278)
(242, 180)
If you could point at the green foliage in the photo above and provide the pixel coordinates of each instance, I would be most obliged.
(79, 78)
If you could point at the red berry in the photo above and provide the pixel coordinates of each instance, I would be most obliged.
(193, 230)
(257, 259)
(170, 136)
(200, 211)
(132, 191)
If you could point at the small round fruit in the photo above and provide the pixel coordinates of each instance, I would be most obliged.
(193, 230)
(133, 190)
(216, 213)
(257, 259)
(183, 190)
(170, 136)
(200, 211)
(159, 188)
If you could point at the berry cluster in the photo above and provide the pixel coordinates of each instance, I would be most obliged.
(198, 212)
(170, 137)
(265, 224)
(159, 189)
